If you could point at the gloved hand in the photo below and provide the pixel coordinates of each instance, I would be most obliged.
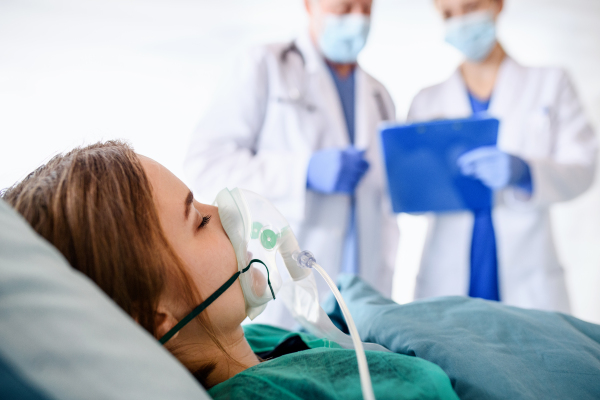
(336, 170)
(495, 168)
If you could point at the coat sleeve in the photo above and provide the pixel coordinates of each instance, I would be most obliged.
(569, 171)
(225, 151)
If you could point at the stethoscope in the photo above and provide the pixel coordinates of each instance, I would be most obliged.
(296, 95)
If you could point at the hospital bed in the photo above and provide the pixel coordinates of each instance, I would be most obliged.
(63, 338)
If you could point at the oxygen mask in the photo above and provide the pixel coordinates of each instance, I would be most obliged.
(257, 231)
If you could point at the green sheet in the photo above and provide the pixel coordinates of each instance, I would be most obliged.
(327, 371)
(489, 350)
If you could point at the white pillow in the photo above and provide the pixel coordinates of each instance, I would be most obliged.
(63, 335)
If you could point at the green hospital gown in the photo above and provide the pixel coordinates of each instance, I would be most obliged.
(326, 371)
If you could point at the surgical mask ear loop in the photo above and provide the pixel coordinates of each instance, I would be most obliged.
(196, 311)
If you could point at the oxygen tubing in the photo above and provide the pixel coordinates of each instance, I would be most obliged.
(363, 368)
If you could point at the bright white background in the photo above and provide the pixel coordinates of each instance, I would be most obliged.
(76, 71)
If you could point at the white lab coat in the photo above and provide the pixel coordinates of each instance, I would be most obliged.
(277, 107)
(543, 122)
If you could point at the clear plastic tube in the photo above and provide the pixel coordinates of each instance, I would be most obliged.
(363, 367)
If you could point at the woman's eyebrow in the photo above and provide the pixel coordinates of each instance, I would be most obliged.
(188, 204)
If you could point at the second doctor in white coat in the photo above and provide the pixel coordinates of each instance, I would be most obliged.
(278, 108)
(541, 122)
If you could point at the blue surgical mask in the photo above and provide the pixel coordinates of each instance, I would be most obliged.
(473, 34)
(343, 37)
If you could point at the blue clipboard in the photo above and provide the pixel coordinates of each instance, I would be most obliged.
(420, 161)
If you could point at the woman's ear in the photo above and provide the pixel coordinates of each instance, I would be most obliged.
(164, 321)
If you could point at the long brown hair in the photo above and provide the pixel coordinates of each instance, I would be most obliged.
(95, 205)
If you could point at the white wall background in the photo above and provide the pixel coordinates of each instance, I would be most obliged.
(76, 71)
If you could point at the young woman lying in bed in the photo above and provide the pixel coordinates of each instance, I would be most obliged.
(135, 229)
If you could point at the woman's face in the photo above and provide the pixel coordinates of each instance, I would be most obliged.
(456, 8)
(195, 232)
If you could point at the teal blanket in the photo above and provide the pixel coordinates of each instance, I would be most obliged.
(489, 350)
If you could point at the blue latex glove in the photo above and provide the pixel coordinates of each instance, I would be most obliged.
(495, 168)
(336, 170)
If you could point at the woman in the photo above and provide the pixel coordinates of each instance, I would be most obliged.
(135, 229)
(545, 154)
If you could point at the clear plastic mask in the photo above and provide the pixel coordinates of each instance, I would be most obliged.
(256, 230)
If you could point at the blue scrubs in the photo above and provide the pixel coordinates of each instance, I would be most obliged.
(483, 281)
(346, 90)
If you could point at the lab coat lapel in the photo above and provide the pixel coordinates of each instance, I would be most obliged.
(506, 98)
(325, 95)
(503, 95)
(456, 99)
(506, 89)
(504, 101)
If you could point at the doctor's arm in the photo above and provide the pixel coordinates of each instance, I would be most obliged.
(569, 171)
(223, 150)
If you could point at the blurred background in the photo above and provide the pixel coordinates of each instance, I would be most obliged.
(77, 71)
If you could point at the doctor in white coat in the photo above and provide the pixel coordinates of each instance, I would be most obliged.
(297, 122)
(546, 153)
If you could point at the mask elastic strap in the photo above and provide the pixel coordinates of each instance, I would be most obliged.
(196, 311)
(267, 268)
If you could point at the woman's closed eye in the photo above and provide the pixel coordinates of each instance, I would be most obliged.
(204, 222)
